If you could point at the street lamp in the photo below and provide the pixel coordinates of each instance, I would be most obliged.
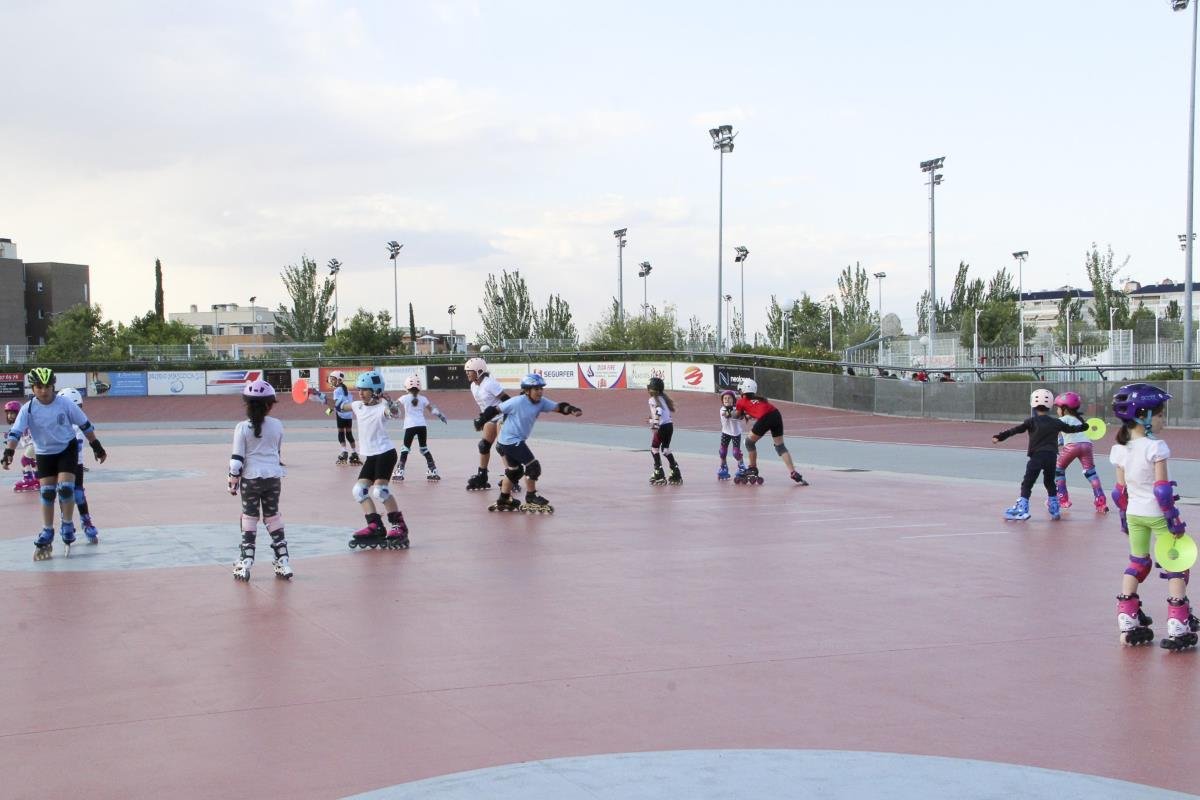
(451, 311)
(1157, 314)
(935, 179)
(740, 258)
(394, 253)
(1183, 241)
(722, 137)
(831, 325)
(620, 234)
(729, 315)
(975, 341)
(1020, 256)
(335, 267)
(787, 324)
(252, 299)
(643, 273)
(1188, 339)
(879, 276)
(214, 310)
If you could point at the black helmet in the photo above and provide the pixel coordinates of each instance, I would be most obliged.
(656, 384)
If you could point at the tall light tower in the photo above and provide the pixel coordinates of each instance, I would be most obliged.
(620, 235)
(394, 249)
(644, 273)
(879, 276)
(451, 311)
(1189, 340)
(722, 138)
(335, 267)
(729, 316)
(1020, 256)
(740, 258)
(935, 178)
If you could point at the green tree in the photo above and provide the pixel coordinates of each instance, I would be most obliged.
(854, 320)
(774, 322)
(158, 291)
(699, 335)
(507, 312)
(1102, 272)
(366, 334)
(309, 318)
(150, 330)
(412, 327)
(554, 322)
(80, 334)
(654, 332)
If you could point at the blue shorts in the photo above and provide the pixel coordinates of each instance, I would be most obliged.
(515, 455)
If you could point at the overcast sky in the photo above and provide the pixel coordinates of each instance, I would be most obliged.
(228, 139)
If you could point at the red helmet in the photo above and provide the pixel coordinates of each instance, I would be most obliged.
(1068, 400)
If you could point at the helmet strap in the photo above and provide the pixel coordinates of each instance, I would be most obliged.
(1148, 423)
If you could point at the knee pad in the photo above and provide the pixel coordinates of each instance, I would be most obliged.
(485, 447)
(780, 449)
(48, 491)
(80, 496)
(514, 473)
(361, 491)
(274, 524)
(403, 451)
(533, 469)
(723, 451)
(1169, 575)
(1060, 473)
(380, 493)
(1139, 567)
(249, 524)
(752, 445)
(66, 492)
(424, 451)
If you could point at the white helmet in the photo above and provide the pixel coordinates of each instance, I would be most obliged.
(476, 365)
(1041, 397)
(412, 382)
(73, 395)
(748, 386)
(337, 375)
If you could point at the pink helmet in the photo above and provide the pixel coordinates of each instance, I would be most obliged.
(1068, 400)
(12, 405)
(259, 388)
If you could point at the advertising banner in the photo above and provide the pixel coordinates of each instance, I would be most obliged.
(729, 376)
(65, 380)
(12, 384)
(281, 379)
(602, 375)
(687, 377)
(557, 376)
(446, 376)
(179, 383)
(394, 377)
(117, 384)
(352, 374)
(509, 375)
(639, 373)
(230, 381)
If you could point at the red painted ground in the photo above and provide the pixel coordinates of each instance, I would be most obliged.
(635, 618)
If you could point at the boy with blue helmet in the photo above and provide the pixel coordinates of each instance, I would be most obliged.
(520, 413)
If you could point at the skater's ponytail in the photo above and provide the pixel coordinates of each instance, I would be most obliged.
(1123, 431)
(670, 403)
(257, 409)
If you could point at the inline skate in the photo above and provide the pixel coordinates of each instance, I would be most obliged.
(343, 460)
(658, 477)
(749, 478)
(741, 471)
(432, 474)
(67, 532)
(89, 529)
(798, 478)
(479, 482)
(1132, 622)
(1181, 625)
(241, 569)
(536, 504)
(43, 545)
(355, 460)
(371, 536)
(505, 503)
(1018, 511)
(723, 473)
(1052, 505)
(676, 478)
(283, 568)
(398, 475)
(397, 535)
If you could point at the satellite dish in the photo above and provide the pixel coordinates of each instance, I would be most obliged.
(891, 325)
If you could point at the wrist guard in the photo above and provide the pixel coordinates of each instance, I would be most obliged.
(1164, 493)
(98, 449)
(567, 408)
(488, 414)
(1120, 496)
(7, 458)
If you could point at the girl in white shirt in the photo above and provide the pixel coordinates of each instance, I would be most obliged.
(731, 434)
(415, 407)
(663, 424)
(488, 394)
(1146, 497)
(255, 470)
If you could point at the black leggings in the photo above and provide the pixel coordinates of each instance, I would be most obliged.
(1043, 462)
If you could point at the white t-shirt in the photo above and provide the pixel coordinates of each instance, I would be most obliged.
(730, 425)
(1138, 459)
(487, 392)
(79, 439)
(261, 455)
(414, 416)
(660, 414)
(1074, 438)
(373, 437)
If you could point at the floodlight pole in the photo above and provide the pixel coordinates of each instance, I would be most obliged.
(722, 137)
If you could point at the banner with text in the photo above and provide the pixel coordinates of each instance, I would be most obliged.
(177, 383)
(729, 376)
(12, 384)
(639, 373)
(117, 384)
(557, 376)
(394, 377)
(446, 376)
(601, 375)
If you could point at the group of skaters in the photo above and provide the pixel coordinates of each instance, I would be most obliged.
(1144, 494)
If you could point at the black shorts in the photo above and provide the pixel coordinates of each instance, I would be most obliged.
(662, 436)
(378, 468)
(515, 455)
(49, 466)
(417, 432)
(78, 474)
(344, 424)
(771, 421)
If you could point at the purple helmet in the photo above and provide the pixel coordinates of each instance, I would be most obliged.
(1135, 400)
(259, 388)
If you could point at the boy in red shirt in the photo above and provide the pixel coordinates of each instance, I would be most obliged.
(766, 418)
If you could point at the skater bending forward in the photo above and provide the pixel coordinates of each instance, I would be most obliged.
(372, 410)
(519, 415)
(49, 419)
(1043, 431)
(766, 418)
(488, 394)
(255, 470)
(1145, 496)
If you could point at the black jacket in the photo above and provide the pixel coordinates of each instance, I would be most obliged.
(1043, 431)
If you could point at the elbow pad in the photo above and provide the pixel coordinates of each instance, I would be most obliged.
(1120, 496)
(235, 466)
(1164, 493)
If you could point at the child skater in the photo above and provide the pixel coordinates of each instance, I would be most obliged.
(766, 418)
(731, 434)
(1043, 433)
(254, 468)
(1075, 446)
(372, 410)
(344, 419)
(663, 425)
(414, 428)
(519, 415)
(1145, 496)
(28, 481)
(48, 419)
(488, 394)
(81, 502)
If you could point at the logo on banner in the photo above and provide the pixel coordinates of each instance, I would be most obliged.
(693, 376)
(229, 377)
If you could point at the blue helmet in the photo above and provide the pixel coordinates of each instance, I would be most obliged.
(533, 381)
(370, 380)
